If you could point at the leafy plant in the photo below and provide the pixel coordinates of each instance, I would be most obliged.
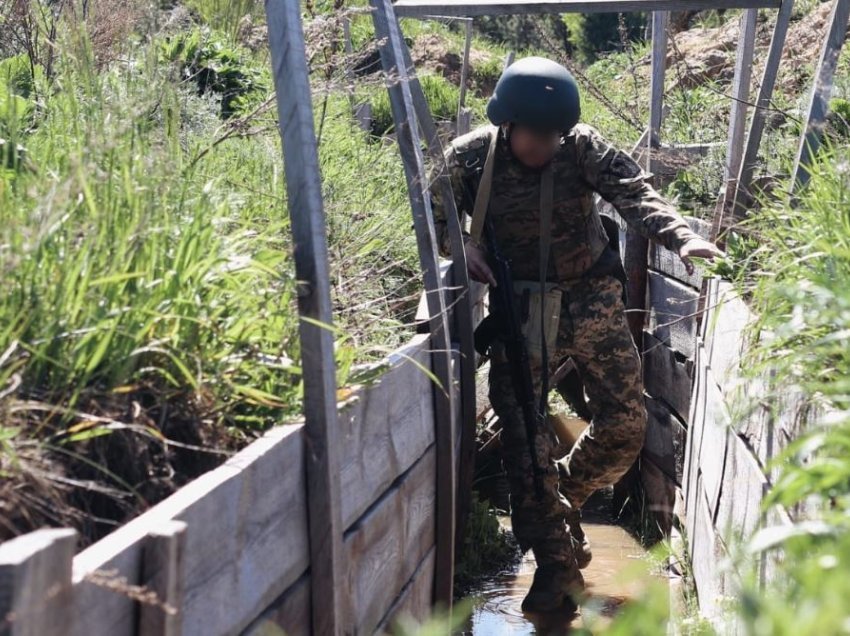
(215, 66)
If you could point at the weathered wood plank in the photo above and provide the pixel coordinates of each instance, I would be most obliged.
(290, 612)
(665, 440)
(672, 313)
(307, 220)
(744, 486)
(258, 555)
(660, 493)
(35, 583)
(385, 428)
(414, 602)
(707, 555)
(821, 91)
(388, 544)
(418, 8)
(725, 334)
(163, 574)
(410, 146)
(668, 263)
(666, 376)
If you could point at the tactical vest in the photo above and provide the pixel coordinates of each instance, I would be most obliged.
(579, 237)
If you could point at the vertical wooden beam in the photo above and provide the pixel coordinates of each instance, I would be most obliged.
(407, 134)
(636, 253)
(821, 91)
(304, 191)
(743, 186)
(162, 573)
(461, 300)
(35, 583)
(660, 26)
(637, 247)
(463, 113)
(737, 119)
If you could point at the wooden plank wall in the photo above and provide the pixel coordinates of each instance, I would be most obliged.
(709, 438)
(668, 360)
(230, 550)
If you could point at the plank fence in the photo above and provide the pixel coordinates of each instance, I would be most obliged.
(231, 549)
(706, 463)
(344, 521)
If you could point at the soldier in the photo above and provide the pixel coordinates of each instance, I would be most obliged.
(500, 170)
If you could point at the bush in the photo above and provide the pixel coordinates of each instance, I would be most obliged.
(215, 66)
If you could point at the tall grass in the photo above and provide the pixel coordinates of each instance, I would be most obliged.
(147, 283)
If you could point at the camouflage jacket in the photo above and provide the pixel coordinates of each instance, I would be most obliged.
(584, 164)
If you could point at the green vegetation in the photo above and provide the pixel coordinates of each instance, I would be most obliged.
(147, 285)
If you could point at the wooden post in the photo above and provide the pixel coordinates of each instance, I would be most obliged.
(660, 24)
(743, 186)
(737, 119)
(304, 191)
(35, 583)
(821, 92)
(509, 59)
(401, 101)
(461, 300)
(162, 573)
(637, 247)
(463, 113)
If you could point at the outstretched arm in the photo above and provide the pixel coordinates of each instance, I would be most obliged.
(618, 178)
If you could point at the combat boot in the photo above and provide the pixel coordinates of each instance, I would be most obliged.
(556, 586)
(581, 545)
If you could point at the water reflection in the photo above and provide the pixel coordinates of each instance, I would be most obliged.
(618, 571)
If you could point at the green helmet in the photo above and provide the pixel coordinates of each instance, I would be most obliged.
(536, 92)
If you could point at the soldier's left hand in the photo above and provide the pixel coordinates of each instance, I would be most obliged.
(698, 248)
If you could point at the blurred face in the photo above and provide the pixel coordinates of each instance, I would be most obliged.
(534, 148)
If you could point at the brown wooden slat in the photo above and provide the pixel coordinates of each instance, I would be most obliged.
(672, 313)
(666, 376)
(307, 221)
(35, 583)
(665, 440)
(247, 509)
(388, 544)
(668, 263)
(385, 428)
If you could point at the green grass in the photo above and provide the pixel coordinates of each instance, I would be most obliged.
(146, 259)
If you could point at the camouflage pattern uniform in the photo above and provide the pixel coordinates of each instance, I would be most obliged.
(592, 330)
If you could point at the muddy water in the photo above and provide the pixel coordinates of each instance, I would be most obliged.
(618, 571)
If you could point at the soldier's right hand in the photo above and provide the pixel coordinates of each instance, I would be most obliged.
(476, 263)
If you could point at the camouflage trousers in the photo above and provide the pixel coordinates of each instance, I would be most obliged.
(594, 333)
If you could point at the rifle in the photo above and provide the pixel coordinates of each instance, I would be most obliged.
(510, 327)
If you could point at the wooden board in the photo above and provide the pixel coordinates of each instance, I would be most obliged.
(744, 486)
(290, 612)
(665, 440)
(725, 333)
(707, 555)
(413, 8)
(667, 376)
(310, 253)
(35, 582)
(667, 262)
(414, 602)
(388, 544)
(660, 493)
(385, 428)
(672, 313)
(234, 513)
